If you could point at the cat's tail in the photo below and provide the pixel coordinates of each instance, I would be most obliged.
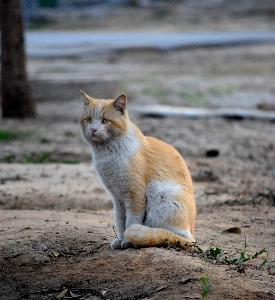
(146, 236)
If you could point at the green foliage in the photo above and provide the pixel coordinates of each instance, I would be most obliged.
(31, 159)
(6, 135)
(8, 159)
(221, 91)
(40, 158)
(238, 257)
(190, 96)
(270, 264)
(219, 255)
(207, 286)
(161, 93)
(46, 157)
(9, 135)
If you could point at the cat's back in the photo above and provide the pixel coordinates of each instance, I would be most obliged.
(161, 147)
(163, 152)
(165, 162)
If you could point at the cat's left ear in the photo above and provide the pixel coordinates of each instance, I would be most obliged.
(120, 103)
(86, 99)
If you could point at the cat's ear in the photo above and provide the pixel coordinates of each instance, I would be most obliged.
(86, 99)
(120, 103)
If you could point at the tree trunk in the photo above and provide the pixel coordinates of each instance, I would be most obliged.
(15, 89)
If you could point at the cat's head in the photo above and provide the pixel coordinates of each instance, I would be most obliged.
(103, 120)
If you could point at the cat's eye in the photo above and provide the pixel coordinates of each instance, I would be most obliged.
(105, 121)
(88, 119)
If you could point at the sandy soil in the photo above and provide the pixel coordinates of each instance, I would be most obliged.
(56, 220)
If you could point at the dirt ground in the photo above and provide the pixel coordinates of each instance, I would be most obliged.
(56, 221)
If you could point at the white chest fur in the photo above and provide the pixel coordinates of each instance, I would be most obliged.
(111, 161)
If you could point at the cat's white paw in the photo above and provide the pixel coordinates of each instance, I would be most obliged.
(116, 244)
(126, 244)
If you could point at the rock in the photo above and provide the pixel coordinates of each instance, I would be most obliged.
(212, 153)
(186, 280)
(198, 269)
(42, 247)
(42, 258)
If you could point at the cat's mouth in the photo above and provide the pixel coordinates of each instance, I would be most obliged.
(95, 137)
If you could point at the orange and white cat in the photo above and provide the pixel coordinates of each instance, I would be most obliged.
(149, 181)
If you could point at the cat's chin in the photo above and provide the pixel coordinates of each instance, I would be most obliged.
(94, 139)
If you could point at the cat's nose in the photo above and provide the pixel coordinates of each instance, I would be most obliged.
(93, 130)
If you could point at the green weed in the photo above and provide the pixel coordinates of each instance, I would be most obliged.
(192, 96)
(218, 255)
(156, 92)
(6, 135)
(9, 135)
(238, 257)
(220, 91)
(47, 158)
(269, 263)
(40, 158)
(207, 286)
(37, 159)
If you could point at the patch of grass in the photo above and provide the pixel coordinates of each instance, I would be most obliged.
(156, 92)
(9, 135)
(192, 96)
(40, 158)
(6, 135)
(207, 286)
(47, 158)
(238, 257)
(221, 91)
(8, 159)
(34, 159)
(218, 255)
(40, 23)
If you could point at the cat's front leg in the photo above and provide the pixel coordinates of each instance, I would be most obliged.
(125, 217)
(131, 219)
(119, 216)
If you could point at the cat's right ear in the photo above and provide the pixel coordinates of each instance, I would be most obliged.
(86, 99)
(120, 103)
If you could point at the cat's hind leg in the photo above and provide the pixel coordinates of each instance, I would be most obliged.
(166, 208)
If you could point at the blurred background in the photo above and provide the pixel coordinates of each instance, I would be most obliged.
(210, 64)
(199, 75)
(193, 53)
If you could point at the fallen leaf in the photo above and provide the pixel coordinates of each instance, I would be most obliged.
(56, 253)
(103, 293)
(236, 230)
(161, 288)
(73, 294)
(62, 294)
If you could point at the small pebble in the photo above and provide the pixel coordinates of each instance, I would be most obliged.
(199, 269)
(42, 258)
(42, 247)
(185, 280)
(212, 153)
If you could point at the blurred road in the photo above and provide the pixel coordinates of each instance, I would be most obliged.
(63, 44)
